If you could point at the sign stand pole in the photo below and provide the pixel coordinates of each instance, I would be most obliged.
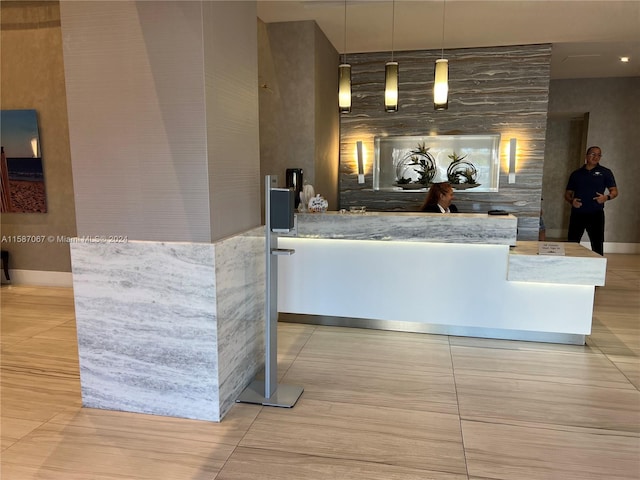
(268, 392)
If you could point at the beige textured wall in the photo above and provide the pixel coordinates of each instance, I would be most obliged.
(163, 118)
(613, 105)
(231, 89)
(137, 119)
(327, 122)
(33, 78)
(298, 92)
(287, 101)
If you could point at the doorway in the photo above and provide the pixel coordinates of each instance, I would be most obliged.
(566, 142)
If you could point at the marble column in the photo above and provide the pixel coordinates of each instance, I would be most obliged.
(169, 328)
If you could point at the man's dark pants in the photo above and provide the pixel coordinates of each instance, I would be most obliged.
(593, 223)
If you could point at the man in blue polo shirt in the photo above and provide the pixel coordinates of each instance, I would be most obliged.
(588, 189)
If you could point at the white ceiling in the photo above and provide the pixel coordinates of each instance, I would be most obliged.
(588, 36)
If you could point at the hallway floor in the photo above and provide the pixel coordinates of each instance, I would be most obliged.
(376, 405)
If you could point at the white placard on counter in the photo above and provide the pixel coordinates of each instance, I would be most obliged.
(550, 248)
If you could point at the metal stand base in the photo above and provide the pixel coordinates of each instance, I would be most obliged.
(284, 396)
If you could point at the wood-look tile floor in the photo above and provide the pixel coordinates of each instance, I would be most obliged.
(376, 405)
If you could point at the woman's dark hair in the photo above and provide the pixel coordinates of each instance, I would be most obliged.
(435, 190)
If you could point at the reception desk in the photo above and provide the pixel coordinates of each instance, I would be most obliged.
(462, 274)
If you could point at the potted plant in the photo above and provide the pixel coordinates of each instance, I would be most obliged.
(460, 173)
(419, 160)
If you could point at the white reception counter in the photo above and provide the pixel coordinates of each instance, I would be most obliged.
(447, 274)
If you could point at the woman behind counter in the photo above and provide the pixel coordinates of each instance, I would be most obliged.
(439, 199)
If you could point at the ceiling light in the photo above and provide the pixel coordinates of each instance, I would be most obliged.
(624, 59)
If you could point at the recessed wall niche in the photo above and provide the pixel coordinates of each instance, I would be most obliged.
(467, 162)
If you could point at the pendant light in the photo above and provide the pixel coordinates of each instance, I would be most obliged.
(344, 74)
(441, 75)
(391, 74)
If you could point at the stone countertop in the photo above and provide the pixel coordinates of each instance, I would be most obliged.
(578, 265)
(464, 228)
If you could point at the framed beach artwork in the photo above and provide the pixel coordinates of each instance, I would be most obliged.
(410, 163)
(23, 189)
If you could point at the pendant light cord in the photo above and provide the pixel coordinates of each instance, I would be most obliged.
(393, 26)
(444, 7)
(344, 55)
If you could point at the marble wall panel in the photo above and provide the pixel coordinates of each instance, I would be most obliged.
(174, 329)
(240, 292)
(501, 90)
(146, 320)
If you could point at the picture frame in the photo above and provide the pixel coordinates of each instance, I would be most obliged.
(22, 188)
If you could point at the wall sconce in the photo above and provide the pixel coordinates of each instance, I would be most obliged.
(360, 155)
(344, 74)
(513, 143)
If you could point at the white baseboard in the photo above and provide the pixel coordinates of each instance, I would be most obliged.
(610, 247)
(39, 278)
